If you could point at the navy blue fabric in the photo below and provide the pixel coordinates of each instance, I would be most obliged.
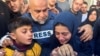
(4, 18)
(97, 37)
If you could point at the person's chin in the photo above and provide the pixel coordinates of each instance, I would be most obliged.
(42, 22)
(15, 11)
(28, 43)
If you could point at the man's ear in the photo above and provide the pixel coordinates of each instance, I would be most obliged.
(13, 36)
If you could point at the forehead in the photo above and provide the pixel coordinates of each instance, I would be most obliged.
(10, 0)
(84, 5)
(60, 28)
(25, 27)
(39, 4)
(93, 11)
(79, 1)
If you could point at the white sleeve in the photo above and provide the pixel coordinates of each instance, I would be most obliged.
(3, 38)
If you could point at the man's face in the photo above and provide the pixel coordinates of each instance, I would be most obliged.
(76, 5)
(84, 8)
(63, 34)
(14, 5)
(23, 35)
(39, 11)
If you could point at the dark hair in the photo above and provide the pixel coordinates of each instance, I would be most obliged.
(91, 22)
(62, 24)
(99, 11)
(91, 10)
(85, 3)
(59, 23)
(18, 22)
(93, 6)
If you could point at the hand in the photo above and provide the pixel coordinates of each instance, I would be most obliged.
(54, 52)
(7, 42)
(2, 52)
(54, 10)
(66, 50)
(17, 53)
(24, 8)
(87, 34)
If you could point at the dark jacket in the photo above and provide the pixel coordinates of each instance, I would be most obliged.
(4, 18)
(97, 37)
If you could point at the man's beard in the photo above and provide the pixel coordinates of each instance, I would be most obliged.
(39, 21)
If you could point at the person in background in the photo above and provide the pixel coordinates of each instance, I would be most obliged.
(84, 11)
(63, 5)
(96, 37)
(87, 28)
(17, 7)
(52, 6)
(4, 18)
(92, 17)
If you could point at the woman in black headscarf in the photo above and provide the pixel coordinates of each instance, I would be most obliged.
(92, 17)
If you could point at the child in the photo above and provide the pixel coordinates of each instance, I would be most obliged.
(21, 34)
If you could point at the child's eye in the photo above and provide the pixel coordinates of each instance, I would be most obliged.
(24, 31)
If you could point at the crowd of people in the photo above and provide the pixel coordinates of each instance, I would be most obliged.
(49, 28)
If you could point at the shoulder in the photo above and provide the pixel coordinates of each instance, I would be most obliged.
(26, 15)
(8, 51)
(36, 45)
(37, 49)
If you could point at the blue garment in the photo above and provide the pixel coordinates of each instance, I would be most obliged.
(62, 6)
(74, 21)
(97, 37)
(43, 33)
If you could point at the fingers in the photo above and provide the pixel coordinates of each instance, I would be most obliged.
(59, 52)
(66, 50)
(84, 36)
(71, 50)
(16, 53)
(87, 34)
(75, 53)
(89, 38)
(7, 42)
(80, 29)
(2, 52)
(54, 52)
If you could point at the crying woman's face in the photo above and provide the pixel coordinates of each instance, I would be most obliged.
(62, 33)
